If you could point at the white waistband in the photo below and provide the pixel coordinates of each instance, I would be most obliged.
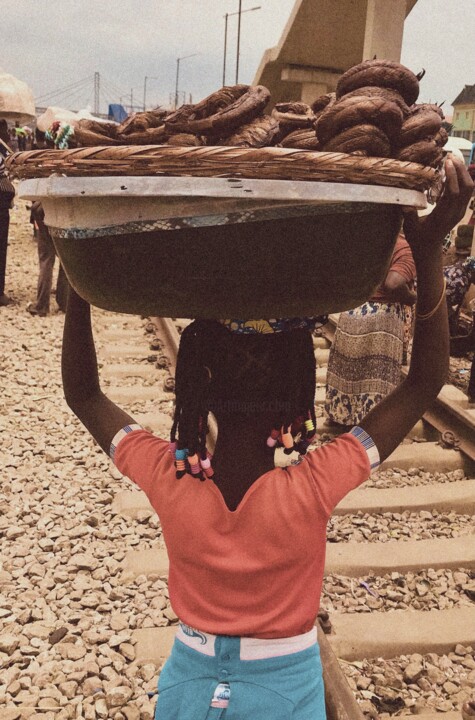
(250, 648)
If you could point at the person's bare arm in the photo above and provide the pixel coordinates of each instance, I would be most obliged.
(82, 391)
(390, 421)
(397, 290)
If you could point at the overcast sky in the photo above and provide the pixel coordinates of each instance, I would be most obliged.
(52, 45)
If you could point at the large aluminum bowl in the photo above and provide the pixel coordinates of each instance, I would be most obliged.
(221, 247)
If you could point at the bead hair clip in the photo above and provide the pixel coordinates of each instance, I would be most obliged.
(287, 441)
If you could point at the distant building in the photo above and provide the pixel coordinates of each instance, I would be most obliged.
(464, 114)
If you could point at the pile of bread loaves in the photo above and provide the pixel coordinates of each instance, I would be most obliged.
(372, 113)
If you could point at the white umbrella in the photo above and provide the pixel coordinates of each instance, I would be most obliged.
(16, 99)
(460, 147)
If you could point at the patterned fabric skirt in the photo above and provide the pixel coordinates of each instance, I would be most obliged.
(365, 360)
(409, 319)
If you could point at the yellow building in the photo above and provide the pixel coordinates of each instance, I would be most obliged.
(464, 114)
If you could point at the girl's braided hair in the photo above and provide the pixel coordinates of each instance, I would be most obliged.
(223, 372)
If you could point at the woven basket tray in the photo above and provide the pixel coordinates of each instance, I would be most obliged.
(268, 163)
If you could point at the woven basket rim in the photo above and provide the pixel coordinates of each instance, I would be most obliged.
(222, 161)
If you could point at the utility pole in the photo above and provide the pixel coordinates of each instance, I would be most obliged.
(225, 47)
(178, 74)
(176, 81)
(147, 77)
(97, 80)
(238, 41)
(228, 15)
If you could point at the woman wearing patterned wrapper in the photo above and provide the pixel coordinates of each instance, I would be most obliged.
(369, 345)
(246, 540)
(7, 193)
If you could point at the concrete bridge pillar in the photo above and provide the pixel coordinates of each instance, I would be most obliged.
(313, 81)
(323, 38)
(384, 29)
(310, 91)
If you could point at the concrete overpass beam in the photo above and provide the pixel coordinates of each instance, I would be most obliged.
(310, 92)
(313, 81)
(384, 29)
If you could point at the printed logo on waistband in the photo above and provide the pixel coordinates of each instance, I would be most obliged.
(221, 696)
(191, 632)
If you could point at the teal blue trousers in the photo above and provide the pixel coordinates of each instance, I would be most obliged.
(289, 687)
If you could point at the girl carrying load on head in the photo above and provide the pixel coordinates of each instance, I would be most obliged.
(246, 540)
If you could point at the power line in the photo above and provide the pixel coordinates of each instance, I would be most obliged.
(104, 90)
(89, 101)
(77, 92)
(60, 91)
(106, 85)
(106, 99)
(113, 92)
(116, 89)
(76, 95)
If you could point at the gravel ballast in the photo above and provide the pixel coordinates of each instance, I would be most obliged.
(66, 617)
(413, 684)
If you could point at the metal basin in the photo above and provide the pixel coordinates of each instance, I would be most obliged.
(216, 248)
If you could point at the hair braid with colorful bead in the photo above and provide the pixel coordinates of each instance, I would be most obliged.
(216, 367)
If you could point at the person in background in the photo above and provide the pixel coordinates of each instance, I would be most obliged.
(368, 349)
(471, 172)
(5, 144)
(13, 140)
(458, 278)
(7, 194)
(20, 135)
(38, 140)
(246, 540)
(471, 380)
(467, 344)
(29, 137)
(46, 258)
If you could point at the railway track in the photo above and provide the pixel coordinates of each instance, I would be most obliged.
(422, 483)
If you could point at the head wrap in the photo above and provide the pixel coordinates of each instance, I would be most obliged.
(274, 325)
(60, 134)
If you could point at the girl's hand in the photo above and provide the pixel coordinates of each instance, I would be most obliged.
(430, 231)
